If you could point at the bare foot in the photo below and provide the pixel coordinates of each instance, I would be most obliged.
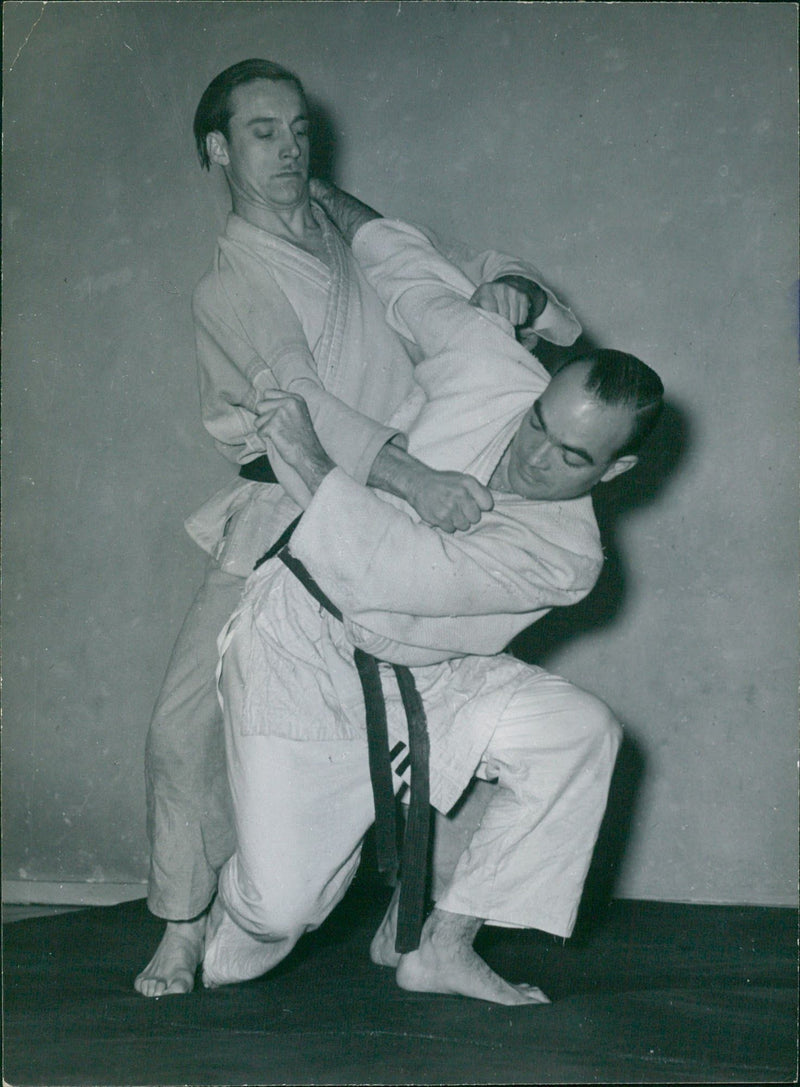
(233, 955)
(381, 950)
(171, 970)
(445, 962)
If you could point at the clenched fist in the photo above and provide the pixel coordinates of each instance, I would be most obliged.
(450, 501)
(517, 299)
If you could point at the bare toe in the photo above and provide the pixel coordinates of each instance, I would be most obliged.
(171, 970)
(454, 968)
(535, 994)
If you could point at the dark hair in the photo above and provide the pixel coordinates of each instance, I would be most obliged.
(213, 110)
(616, 378)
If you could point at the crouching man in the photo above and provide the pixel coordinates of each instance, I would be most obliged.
(446, 606)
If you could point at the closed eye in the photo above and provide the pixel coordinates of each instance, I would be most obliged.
(580, 457)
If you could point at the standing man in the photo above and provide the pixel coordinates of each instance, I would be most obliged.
(284, 306)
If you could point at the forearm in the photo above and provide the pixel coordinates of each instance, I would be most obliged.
(288, 430)
(312, 465)
(397, 472)
(557, 323)
(350, 438)
(554, 320)
(345, 211)
(369, 555)
(451, 501)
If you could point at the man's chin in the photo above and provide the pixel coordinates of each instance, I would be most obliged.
(289, 189)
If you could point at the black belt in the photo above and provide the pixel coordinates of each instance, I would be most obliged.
(258, 471)
(411, 907)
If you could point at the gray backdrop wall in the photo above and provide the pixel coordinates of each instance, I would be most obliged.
(643, 155)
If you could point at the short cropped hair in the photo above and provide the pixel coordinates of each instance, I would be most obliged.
(622, 380)
(214, 112)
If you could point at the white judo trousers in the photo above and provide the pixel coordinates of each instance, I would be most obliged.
(303, 808)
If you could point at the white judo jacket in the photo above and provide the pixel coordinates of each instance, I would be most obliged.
(445, 604)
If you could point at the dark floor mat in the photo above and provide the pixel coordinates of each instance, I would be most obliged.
(651, 993)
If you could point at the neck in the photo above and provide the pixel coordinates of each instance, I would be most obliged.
(294, 221)
(296, 224)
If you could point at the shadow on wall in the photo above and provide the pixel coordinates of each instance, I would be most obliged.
(323, 141)
(615, 832)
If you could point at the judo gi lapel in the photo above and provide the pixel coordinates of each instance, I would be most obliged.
(328, 279)
(341, 300)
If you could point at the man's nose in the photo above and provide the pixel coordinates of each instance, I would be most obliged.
(290, 148)
(538, 457)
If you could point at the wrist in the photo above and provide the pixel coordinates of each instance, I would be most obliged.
(396, 472)
(308, 459)
(314, 468)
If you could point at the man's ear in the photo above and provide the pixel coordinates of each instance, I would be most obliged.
(217, 148)
(617, 467)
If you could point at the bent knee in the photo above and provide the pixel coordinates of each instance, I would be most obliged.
(552, 714)
(560, 709)
(269, 920)
(598, 722)
(274, 913)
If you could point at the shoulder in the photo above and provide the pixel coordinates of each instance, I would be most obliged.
(210, 294)
(236, 279)
(569, 526)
